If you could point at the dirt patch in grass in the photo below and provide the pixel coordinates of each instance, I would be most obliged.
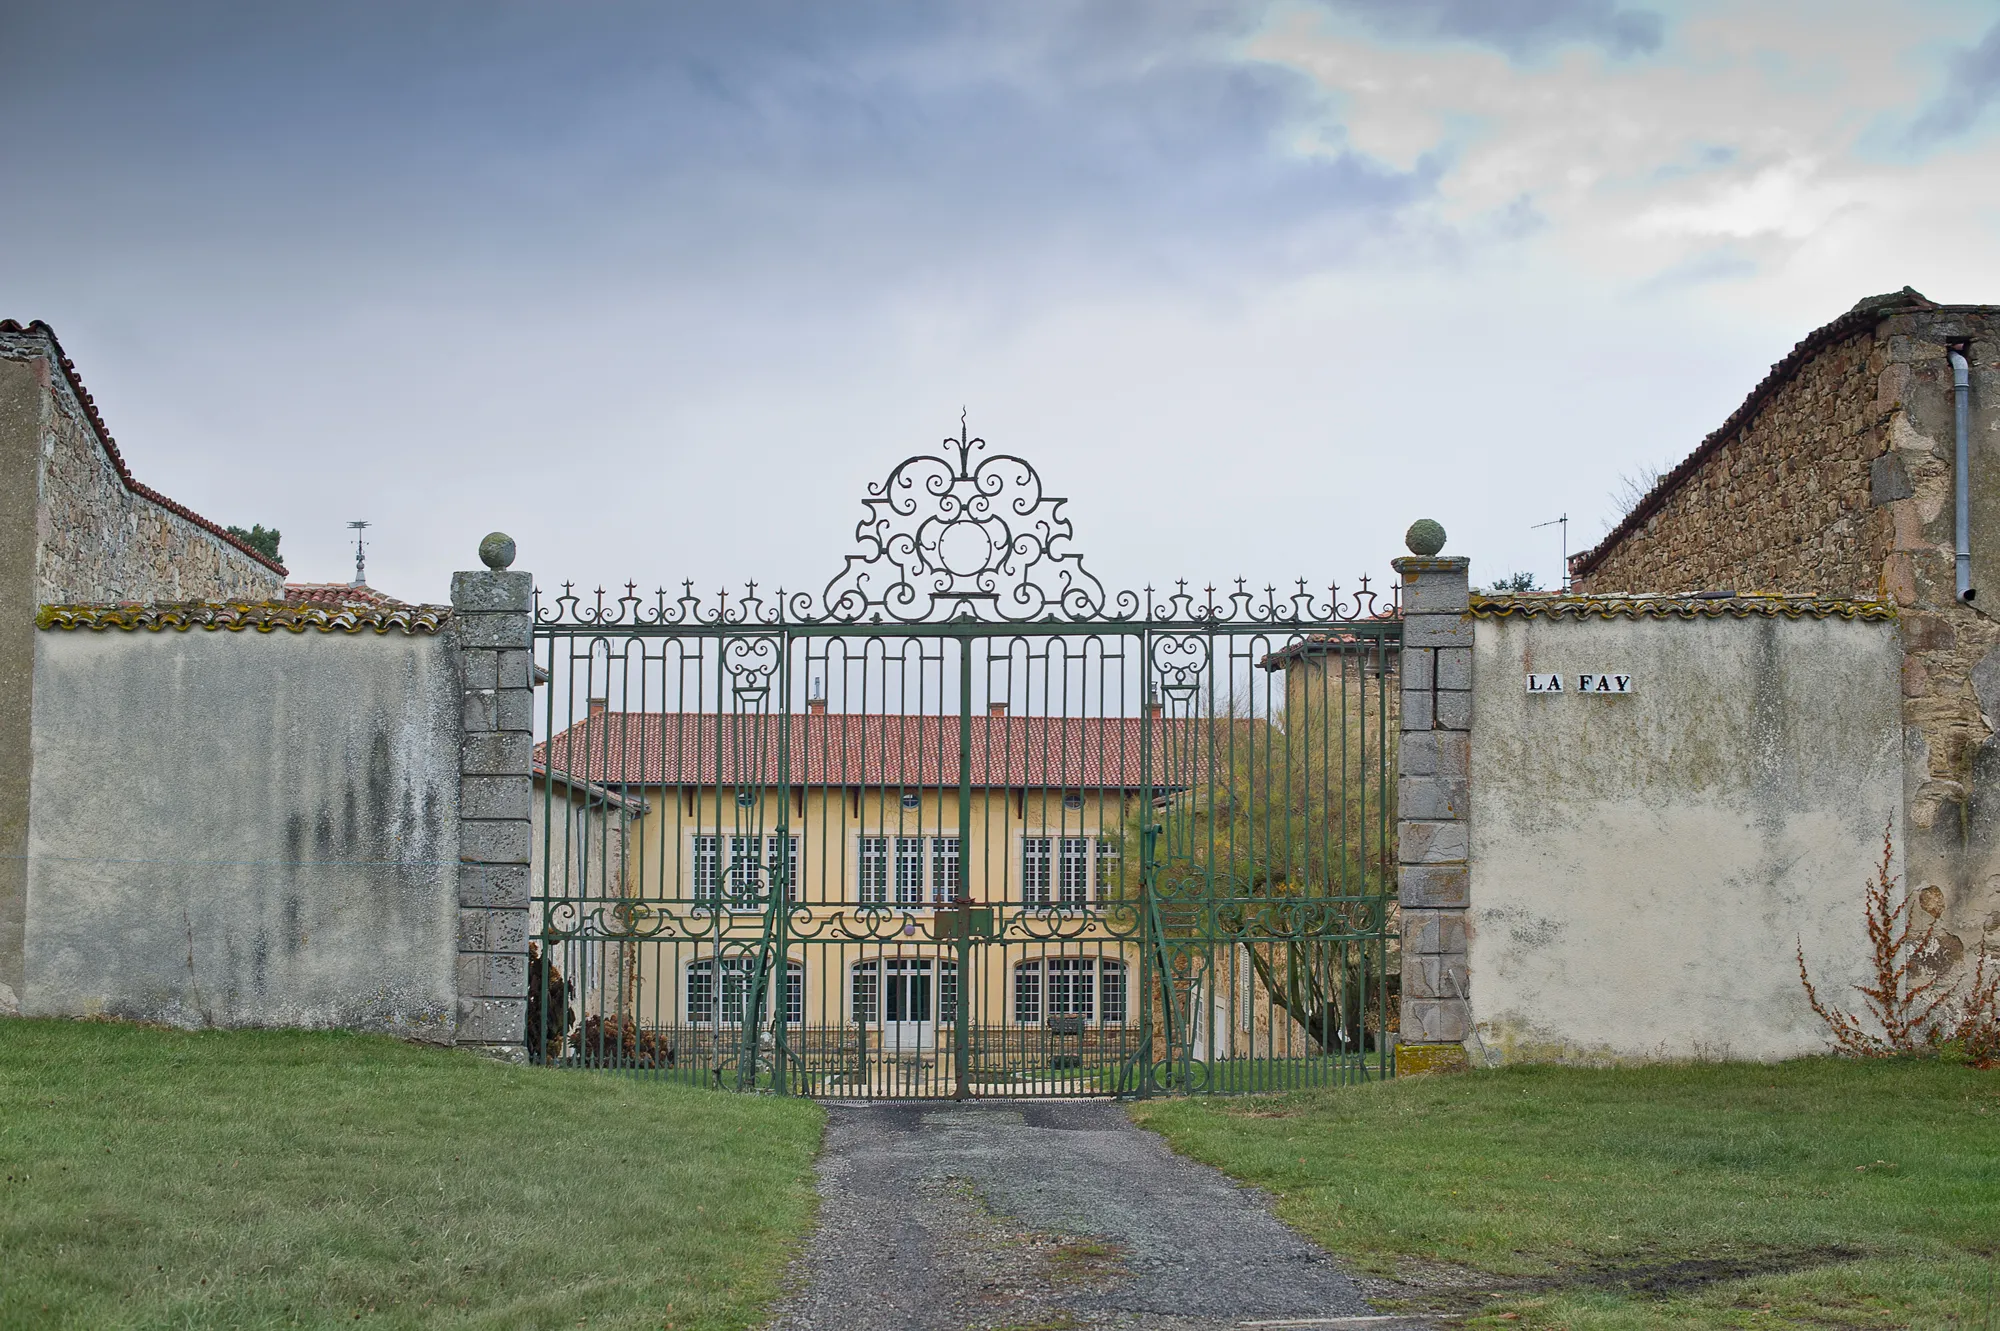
(1442, 1289)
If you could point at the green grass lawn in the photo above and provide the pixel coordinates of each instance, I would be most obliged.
(1814, 1193)
(274, 1178)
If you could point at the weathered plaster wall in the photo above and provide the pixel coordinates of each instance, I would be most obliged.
(244, 828)
(1644, 866)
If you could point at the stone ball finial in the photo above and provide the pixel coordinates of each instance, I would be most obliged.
(1425, 538)
(497, 550)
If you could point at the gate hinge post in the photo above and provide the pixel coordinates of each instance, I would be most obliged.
(492, 620)
(1433, 766)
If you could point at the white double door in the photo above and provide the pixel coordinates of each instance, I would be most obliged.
(909, 1005)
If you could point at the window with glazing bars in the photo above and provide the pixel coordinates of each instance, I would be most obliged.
(1028, 992)
(866, 984)
(944, 868)
(788, 865)
(707, 866)
(1073, 881)
(1111, 993)
(1107, 867)
(874, 882)
(909, 870)
(1035, 870)
(703, 1007)
(1069, 985)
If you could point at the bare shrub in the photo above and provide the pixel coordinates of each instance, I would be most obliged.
(1915, 1015)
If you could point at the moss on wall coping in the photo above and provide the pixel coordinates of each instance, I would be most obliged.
(1747, 606)
(235, 616)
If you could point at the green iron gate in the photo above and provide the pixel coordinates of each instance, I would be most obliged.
(964, 824)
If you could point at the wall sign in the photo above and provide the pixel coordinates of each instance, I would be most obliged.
(1580, 683)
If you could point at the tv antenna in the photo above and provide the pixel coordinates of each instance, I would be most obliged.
(1562, 522)
(360, 554)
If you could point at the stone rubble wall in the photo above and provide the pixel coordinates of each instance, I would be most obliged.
(1843, 486)
(1783, 505)
(98, 540)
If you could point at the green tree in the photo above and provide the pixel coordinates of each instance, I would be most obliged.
(1513, 584)
(261, 539)
(1277, 831)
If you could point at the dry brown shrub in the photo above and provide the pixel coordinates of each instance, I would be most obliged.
(1916, 1015)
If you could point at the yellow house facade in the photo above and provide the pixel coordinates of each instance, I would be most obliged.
(880, 872)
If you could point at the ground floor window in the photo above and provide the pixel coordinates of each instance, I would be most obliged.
(725, 1003)
(1092, 988)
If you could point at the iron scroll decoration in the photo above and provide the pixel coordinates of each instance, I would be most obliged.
(966, 535)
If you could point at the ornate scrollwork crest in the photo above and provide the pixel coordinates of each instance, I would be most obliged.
(956, 535)
(964, 534)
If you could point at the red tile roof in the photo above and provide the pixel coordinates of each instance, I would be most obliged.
(840, 749)
(40, 329)
(337, 593)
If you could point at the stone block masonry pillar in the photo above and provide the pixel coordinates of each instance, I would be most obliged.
(494, 616)
(1433, 838)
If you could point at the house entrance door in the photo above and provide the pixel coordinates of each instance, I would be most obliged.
(909, 1009)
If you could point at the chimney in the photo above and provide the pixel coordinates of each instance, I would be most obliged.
(996, 709)
(1153, 709)
(597, 707)
(815, 707)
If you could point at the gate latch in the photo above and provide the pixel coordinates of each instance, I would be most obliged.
(962, 920)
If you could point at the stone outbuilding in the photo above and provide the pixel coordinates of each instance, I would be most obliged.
(1838, 477)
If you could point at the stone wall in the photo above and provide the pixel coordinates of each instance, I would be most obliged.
(1646, 865)
(101, 537)
(1782, 500)
(1836, 478)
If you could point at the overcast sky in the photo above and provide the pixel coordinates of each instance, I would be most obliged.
(659, 289)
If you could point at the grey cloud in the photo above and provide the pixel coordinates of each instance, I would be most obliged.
(1518, 28)
(1971, 86)
(864, 143)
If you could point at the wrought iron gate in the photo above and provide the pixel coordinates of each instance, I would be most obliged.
(964, 824)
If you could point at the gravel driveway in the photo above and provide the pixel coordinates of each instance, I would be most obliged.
(1039, 1216)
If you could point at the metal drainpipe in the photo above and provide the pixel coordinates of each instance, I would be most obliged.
(1961, 392)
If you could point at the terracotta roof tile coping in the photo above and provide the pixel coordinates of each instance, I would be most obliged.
(1697, 605)
(110, 445)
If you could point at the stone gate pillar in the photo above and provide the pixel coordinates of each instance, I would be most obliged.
(1432, 765)
(493, 612)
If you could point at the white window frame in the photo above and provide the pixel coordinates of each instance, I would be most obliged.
(946, 868)
(872, 871)
(908, 853)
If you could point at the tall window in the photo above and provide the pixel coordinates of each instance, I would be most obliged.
(944, 869)
(746, 871)
(726, 1004)
(1111, 993)
(707, 866)
(1035, 871)
(874, 869)
(781, 855)
(1107, 867)
(909, 871)
(1028, 992)
(1073, 883)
